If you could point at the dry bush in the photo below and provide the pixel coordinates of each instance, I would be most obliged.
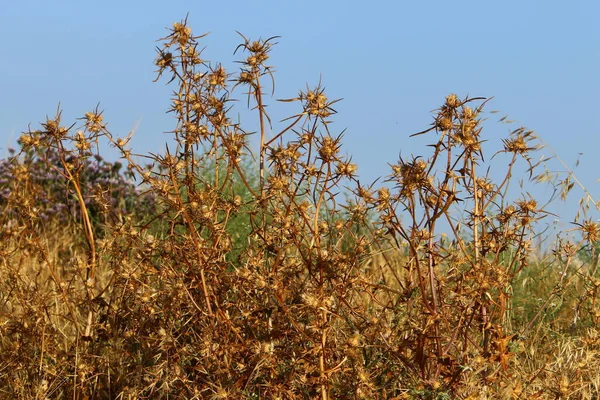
(264, 283)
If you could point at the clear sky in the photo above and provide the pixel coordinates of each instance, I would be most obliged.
(392, 62)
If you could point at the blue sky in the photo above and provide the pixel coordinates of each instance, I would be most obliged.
(392, 62)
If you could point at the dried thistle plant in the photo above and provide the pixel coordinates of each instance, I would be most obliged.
(246, 281)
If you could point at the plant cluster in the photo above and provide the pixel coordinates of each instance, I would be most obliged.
(258, 280)
(41, 171)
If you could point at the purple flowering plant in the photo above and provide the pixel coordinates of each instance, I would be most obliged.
(52, 169)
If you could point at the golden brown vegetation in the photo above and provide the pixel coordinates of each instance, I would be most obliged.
(248, 283)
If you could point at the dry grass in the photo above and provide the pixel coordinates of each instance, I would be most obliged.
(264, 283)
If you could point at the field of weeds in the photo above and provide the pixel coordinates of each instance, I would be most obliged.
(214, 271)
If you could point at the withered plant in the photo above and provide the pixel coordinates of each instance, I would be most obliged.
(265, 269)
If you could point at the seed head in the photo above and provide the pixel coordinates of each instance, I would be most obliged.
(329, 148)
(346, 169)
(444, 124)
(591, 230)
(452, 101)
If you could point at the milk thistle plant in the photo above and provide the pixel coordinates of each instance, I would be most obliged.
(219, 277)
